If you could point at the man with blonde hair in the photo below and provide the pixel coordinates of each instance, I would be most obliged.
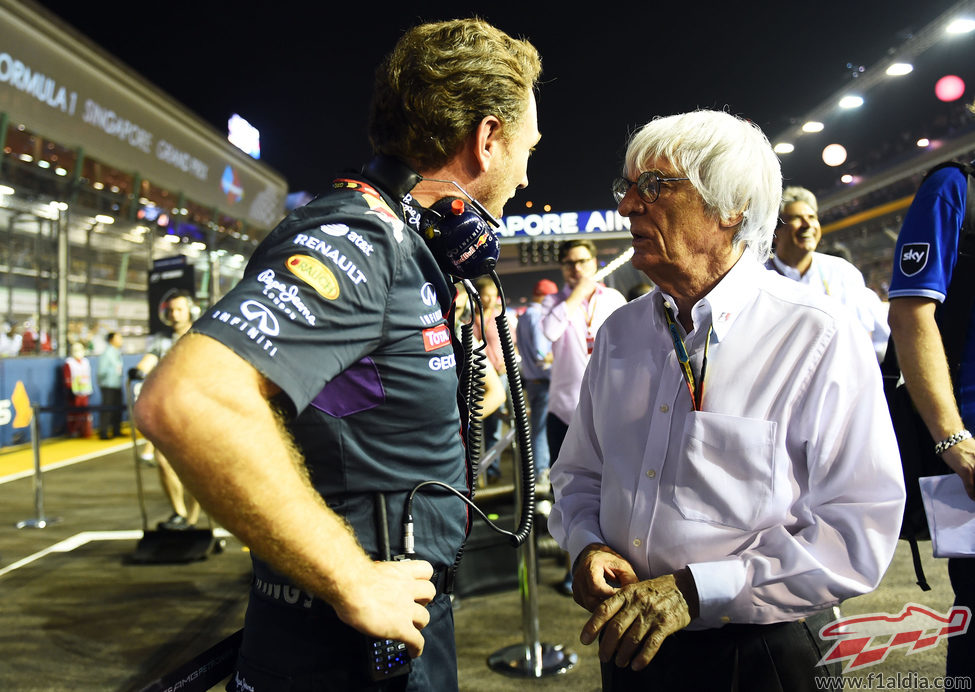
(308, 404)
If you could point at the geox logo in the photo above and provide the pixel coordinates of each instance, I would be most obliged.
(914, 257)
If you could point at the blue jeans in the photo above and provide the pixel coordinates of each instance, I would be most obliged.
(536, 392)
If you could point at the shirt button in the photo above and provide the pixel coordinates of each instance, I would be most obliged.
(651, 474)
(664, 408)
(636, 542)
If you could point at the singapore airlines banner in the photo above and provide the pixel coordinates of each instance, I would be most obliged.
(67, 91)
(543, 226)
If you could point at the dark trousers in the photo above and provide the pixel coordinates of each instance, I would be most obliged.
(555, 431)
(961, 648)
(110, 418)
(735, 658)
(295, 650)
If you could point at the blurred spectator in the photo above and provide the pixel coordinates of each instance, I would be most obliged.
(536, 365)
(110, 385)
(490, 309)
(77, 380)
(796, 238)
(9, 341)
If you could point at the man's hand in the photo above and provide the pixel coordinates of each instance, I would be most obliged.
(636, 619)
(583, 290)
(961, 459)
(598, 573)
(388, 602)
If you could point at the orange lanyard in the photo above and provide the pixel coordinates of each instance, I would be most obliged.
(695, 385)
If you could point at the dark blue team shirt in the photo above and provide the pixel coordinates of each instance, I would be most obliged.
(924, 260)
(343, 307)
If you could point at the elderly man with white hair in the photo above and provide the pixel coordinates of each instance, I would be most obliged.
(731, 470)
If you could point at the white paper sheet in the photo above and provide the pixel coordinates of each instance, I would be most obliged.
(951, 515)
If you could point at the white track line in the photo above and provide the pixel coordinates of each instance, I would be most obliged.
(80, 539)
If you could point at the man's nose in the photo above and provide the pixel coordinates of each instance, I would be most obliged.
(631, 202)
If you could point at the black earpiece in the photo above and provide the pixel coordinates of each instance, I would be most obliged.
(460, 238)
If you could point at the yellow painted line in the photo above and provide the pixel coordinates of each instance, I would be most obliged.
(57, 453)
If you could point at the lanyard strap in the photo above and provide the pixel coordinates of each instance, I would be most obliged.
(695, 386)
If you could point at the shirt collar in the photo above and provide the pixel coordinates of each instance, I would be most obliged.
(729, 297)
(784, 269)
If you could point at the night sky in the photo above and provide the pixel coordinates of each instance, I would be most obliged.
(302, 72)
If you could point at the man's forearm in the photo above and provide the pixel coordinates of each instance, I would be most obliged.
(231, 451)
(921, 356)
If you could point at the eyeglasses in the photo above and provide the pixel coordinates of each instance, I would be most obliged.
(647, 185)
(576, 263)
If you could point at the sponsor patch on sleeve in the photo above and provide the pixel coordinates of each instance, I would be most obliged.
(315, 274)
(914, 258)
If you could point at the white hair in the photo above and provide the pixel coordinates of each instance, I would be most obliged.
(794, 193)
(727, 159)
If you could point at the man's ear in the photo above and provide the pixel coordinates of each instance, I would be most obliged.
(487, 141)
(732, 221)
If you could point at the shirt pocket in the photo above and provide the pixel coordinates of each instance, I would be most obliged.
(726, 473)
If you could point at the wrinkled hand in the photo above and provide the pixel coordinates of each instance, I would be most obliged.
(636, 619)
(599, 572)
(388, 602)
(961, 460)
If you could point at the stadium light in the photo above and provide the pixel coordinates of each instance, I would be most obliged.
(834, 155)
(962, 25)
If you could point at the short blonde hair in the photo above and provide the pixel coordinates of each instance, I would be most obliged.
(440, 81)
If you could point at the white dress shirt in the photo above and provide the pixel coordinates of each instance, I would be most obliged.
(783, 495)
(569, 333)
(834, 276)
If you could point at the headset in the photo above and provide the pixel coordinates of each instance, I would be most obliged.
(459, 235)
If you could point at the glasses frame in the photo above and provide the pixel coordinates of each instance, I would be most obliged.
(576, 263)
(647, 186)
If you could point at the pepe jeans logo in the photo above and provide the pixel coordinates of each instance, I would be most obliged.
(914, 257)
(917, 627)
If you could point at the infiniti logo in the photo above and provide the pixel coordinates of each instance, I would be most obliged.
(261, 315)
(428, 295)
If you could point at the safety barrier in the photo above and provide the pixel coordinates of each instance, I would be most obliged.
(40, 520)
(531, 658)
